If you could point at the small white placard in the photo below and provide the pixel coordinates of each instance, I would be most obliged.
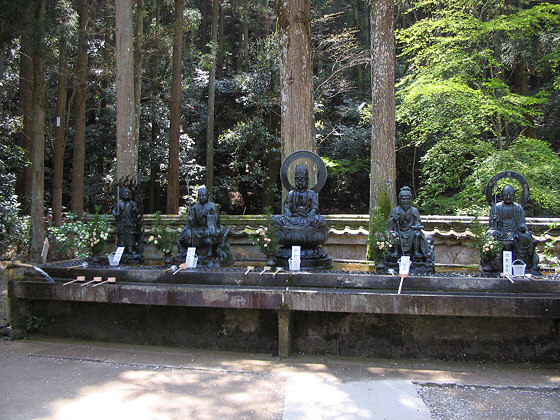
(118, 255)
(295, 262)
(404, 264)
(191, 257)
(296, 253)
(507, 262)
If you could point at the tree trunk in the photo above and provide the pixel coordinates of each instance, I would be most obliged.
(175, 122)
(80, 117)
(245, 44)
(127, 142)
(59, 134)
(155, 99)
(220, 57)
(138, 56)
(383, 157)
(23, 182)
(38, 139)
(296, 77)
(211, 99)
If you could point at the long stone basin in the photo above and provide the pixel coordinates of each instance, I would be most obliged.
(454, 301)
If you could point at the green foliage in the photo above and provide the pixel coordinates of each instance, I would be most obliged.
(460, 102)
(266, 238)
(162, 235)
(445, 168)
(251, 148)
(344, 143)
(533, 159)
(14, 229)
(78, 239)
(488, 248)
(379, 240)
(34, 323)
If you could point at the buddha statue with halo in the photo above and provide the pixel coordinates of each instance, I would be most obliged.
(300, 224)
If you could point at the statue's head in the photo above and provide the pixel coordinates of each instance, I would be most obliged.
(203, 195)
(126, 194)
(405, 197)
(301, 177)
(508, 194)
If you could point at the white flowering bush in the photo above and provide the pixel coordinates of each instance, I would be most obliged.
(162, 236)
(490, 248)
(80, 239)
(266, 238)
(381, 243)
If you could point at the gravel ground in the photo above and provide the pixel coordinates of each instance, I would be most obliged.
(460, 402)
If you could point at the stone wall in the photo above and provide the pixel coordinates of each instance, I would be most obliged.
(451, 236)
(347, 334)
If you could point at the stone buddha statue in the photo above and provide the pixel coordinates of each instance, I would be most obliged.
(507, 225)
(404, 221)
(300, 223)
(204, 232)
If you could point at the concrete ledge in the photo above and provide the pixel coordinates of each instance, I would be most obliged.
(475, 302)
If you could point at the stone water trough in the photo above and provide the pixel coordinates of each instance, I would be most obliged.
(356, 313)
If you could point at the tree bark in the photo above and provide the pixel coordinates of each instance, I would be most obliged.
(175, 121)
(211, 99)
(138, 57)
(59, 133)
(383, 156)
(127, 142)
(38, 139)
(23, 182)
(77, 205)
(220, 57)
(296, 77)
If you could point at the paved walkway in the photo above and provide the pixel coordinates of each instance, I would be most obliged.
(56, 379)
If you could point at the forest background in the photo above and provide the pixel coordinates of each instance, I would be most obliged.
(477, 91)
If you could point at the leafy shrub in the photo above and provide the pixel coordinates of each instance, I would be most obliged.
(79, 239)
(266, 238)
(14, 230)
(532, 158)
(162, 235)
(445, 169)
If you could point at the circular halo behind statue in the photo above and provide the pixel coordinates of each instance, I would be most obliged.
(302, 154)
(300, 223)
(491, 193)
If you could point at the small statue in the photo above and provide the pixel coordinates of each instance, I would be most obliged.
(507, 225)
(404, 220)
(204, 232)
(300, 224)
(129, 227)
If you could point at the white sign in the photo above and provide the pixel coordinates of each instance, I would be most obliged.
(404, 265)
(296, 252)
(295, 262)
(507, 262)
(191, 258)
(118, 255)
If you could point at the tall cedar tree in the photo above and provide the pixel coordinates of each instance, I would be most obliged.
(383, 159)
(175, 122)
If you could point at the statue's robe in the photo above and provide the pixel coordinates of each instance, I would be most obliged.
(407, 224)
